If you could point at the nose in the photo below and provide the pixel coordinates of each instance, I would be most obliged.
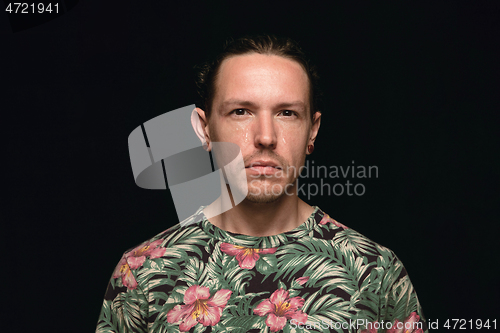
(265, 132)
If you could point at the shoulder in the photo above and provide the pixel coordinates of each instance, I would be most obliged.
(358, 252)
(351, 242)
(376, 269)
(161, 256)
(187, 231)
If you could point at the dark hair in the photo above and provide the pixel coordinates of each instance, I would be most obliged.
(262, 44)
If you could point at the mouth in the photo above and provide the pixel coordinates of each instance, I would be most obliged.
(263, 165)
(263, 168)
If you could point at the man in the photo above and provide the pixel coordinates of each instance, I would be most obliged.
(272, 262)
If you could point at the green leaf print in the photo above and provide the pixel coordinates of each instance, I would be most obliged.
(243, 305)
(128, 306)
(162, 326)
(106, 324)
(267, 264)
(296, 256)
(352, 241)
(281, 285)
(244, 323)
(194, 272)
(293, 293)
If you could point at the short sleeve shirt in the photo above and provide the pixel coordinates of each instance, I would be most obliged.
(319, 277)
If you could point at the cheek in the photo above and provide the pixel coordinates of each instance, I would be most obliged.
(288, 137)
(237, 133)
(292, 140)
(242, 133)
(293, 147)
(295, 133)
(223, 132)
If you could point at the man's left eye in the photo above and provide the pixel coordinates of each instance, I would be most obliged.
(239, 112)
(288, 113)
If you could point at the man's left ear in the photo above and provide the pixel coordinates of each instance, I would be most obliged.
(316, 122)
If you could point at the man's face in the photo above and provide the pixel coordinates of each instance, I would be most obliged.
(262, 105)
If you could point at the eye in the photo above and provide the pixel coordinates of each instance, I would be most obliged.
(288, 113)
(239, 112)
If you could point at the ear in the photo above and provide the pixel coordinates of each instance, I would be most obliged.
(316, 122)
(199, 123)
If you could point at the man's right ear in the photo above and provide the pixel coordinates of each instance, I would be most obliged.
(199, 123)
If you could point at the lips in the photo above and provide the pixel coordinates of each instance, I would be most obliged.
(263, 164)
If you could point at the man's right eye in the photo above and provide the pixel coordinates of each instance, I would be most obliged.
(239, 112)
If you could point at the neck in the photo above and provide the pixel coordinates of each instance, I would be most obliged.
(259, 219)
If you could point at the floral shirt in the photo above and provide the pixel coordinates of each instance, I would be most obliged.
(320, 277)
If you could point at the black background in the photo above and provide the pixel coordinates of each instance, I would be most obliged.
(410, 88)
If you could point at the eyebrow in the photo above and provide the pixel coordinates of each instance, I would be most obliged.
(251, 104)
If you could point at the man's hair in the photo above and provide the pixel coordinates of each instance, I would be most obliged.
(262, 44)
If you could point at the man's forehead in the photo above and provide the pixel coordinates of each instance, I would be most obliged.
(254, 78)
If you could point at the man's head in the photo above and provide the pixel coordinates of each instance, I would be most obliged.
(262, 102)
(262, 44)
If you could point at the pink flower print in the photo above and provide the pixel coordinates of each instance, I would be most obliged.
(327, 219)
(279, 308)
(199, 307)
(134, 259)
(123, 270)
(408, 326)
(246, 256)
(302, 280)
(137, 256)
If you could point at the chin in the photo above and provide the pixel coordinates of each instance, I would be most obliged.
(263, 198)
(265, 192)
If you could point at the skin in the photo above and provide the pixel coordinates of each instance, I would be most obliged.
(261, 104)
